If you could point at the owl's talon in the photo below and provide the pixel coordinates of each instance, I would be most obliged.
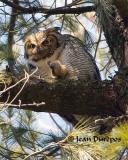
(58, 70)
(51, 64)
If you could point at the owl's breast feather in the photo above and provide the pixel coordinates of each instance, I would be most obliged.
(44, 71)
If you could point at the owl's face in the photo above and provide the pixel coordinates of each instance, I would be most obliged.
(40, 45)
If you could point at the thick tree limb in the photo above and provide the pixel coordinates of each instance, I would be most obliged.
(60, 10)
(65, 97)
(116, 32)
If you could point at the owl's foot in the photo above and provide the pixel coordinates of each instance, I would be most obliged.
(58, 70)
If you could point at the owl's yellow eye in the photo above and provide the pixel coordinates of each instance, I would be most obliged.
(45, 43)
(32, 46)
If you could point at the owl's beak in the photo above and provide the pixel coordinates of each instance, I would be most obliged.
(31, 66)
(39, 50)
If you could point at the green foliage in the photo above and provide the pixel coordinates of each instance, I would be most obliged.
(5, 53)
(70, 23)
(20, 140)
(83, 142)
(17, 134)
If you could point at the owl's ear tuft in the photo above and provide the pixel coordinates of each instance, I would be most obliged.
(57, 29)
(26, 38)
(54, 29)
(26, 43)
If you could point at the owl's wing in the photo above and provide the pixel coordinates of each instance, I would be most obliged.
(76, 58)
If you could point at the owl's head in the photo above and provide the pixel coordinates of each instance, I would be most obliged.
(41, 45)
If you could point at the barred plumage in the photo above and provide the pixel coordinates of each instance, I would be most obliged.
(76, 58)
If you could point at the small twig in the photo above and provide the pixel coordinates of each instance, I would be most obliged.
(12, 86)
(27, 78)
(57, 124)
(41, 151)
(98, 43)
(22, 105)
(121, 156)
(4, 108)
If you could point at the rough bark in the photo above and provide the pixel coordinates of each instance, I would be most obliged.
(116, 32)
(76, 97)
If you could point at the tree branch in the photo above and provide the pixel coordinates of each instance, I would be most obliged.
(12, 23)
(60, 10)
(116, 32)
(64, 97)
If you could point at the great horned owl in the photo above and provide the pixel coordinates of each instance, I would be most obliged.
(59, 56)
